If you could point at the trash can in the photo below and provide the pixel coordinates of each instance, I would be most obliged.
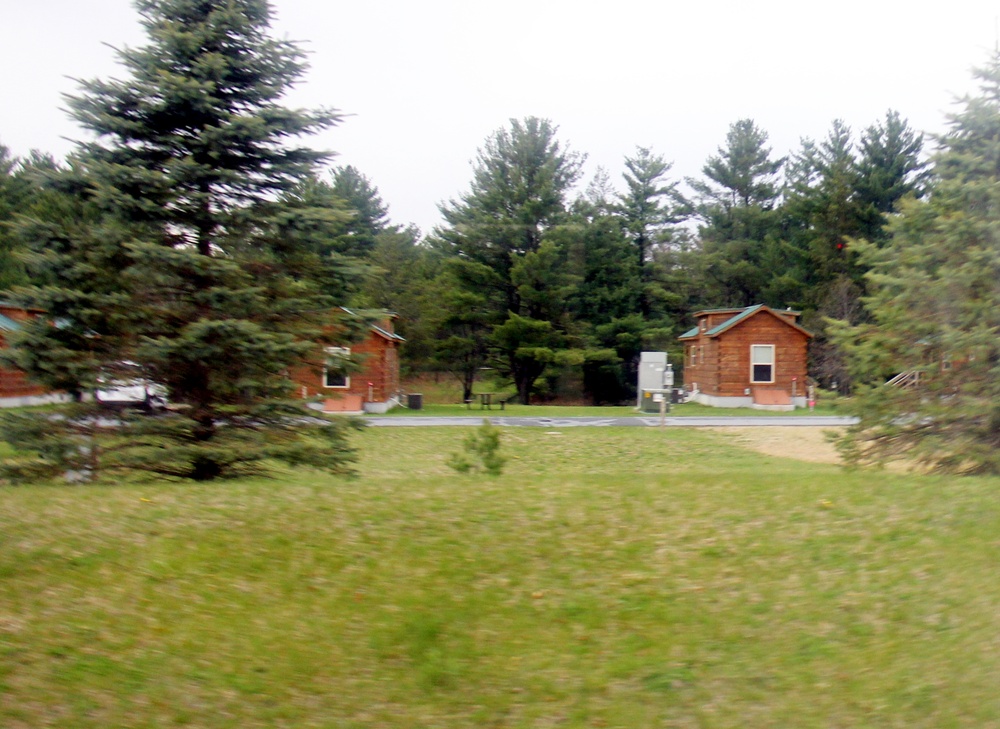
(415, 401)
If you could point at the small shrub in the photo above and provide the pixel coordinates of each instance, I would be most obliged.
(481, 452)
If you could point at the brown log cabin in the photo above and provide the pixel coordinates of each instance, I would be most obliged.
(15, 388)
(753, 357)
(373, 385)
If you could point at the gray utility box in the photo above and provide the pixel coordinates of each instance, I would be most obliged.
(654, 374)
(650, 400)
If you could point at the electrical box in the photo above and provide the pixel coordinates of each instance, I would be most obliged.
(653, 374)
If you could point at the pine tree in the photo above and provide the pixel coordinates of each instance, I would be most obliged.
(369, 214)
(520, 183)
(20, 190)
(890, 167)
(736, 202)
(935, 309)
(649, 208)
(521, 180)
(197, 287)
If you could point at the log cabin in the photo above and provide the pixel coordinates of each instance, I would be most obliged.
(754, 357)
(359, 377)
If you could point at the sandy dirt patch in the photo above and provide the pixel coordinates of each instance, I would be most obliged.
(803, 443)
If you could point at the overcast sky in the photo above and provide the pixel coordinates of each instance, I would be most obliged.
(425, 82)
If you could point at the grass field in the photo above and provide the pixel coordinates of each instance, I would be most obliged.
(514, 410)
(609, 578)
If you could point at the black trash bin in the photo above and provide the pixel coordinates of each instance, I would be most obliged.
(415, 401)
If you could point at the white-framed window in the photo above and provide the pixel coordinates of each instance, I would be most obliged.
(334, 374)
(693, 352)
(761, 363)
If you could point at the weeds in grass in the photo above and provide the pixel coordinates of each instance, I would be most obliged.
(481, 452)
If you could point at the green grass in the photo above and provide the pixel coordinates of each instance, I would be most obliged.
(611, 577)
(442, 397)
(566, 411)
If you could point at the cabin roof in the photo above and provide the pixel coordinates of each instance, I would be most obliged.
(740, 315)
(382, 331)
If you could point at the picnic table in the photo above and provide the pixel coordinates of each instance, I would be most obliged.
(488, 399)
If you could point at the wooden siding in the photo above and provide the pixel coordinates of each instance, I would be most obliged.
(722, 367)
(378, 358)
(734, 356)
(13, 382)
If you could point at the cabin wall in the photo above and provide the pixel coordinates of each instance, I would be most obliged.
(379, 365)
(721, 368)
(15, 388)
(734, 357)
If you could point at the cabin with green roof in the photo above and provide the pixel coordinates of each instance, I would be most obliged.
(15, 388)
(753, 357)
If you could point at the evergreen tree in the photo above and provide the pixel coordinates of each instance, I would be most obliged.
(20, 190)
(369, 215)
(401, 282)
(742, 175)
(198, 287)
(890, 167)
(604, 302)
(463, 317)
(740, 231)
(649, 208)
(520, 183)
(935, 309)
(602, 259)
(517, 199)
(824, 211)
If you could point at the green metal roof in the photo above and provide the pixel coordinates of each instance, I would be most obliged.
(729, 322)
(740, 316)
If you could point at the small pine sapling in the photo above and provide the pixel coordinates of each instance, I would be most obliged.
(481, 452)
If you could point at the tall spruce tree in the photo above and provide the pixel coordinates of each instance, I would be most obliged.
(20, 191)
(934, 304)
(196, 288)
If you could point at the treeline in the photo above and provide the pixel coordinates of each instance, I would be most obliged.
(195, 244)
(553, 283)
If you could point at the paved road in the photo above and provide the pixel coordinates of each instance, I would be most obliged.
(646, 421)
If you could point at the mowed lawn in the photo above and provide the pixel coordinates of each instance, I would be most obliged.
(609, 578)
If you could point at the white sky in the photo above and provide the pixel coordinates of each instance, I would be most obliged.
(426, 81)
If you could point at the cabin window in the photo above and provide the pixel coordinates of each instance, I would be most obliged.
(693, 351)
(761, 363)
(334, 373)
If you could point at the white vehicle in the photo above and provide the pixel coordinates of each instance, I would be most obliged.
(123, 390)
